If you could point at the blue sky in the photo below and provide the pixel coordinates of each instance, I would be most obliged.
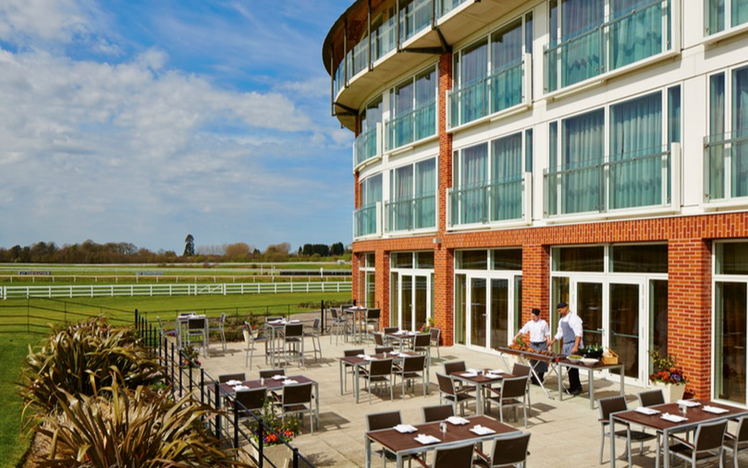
(143, 121)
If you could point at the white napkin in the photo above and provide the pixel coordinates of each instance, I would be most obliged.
(688, 403)
(233, 382)
(647, 411)
(395, 353)
(362, 356)
(412, 333)
(457, 420)
(276, 321)
(491, 375)
(367, 358)
(714, 409)
(279, 377)
(480, 430)
(470, 374)
(673, 418)
(403, 428)
(289, 382)
(497, 371)
(240, 387)
(427, 439)
(293, 321)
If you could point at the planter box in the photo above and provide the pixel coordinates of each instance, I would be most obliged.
(672, 392)
(279, 455)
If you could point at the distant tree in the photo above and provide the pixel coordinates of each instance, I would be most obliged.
(238, 252)
(189, 246)
(337, 249)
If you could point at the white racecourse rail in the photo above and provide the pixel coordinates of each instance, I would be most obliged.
(184, 289)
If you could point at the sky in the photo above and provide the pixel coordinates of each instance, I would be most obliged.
(143, 121)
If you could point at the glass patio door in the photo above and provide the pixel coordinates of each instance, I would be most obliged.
(478, 308)
(614, 316)
(414, 301)
(489, 312)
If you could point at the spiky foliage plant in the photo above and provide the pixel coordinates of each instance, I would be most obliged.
(132, 429)
(81, 357)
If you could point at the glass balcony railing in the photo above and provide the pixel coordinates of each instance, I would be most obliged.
(625, 39)
(365, 220)
(493, 94)
(495, 202)
(360, 57)
(384, 39)
(367, 145)
(634, 180)
(445, 6)
(726, 166)
(410, 214)
(415, 17)
(411, 126)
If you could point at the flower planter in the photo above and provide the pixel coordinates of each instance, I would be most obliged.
(672, 392)
(279, 455)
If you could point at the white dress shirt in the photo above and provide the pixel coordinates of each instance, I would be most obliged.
(538, 330)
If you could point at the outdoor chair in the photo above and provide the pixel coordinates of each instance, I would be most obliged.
(460, 456)
(297, 399)
(165, 331)
(371, 322)
(386, 331)
(612, 405)
(707, 444)
(739, 442)
(519, 370)
(270, 373)
(458, 366)
(651, 397)
(219, 328)
(314, 334)
(387, 420)
(435, 336)
(378, 373)
(250, 343)
(509, 451)
(511, 394)
(383, 349)
(378, 339)
(348, 368)
(197, 330)
(339, 325)
(412, 368)
(437, 412)
(248, 402)
(422, 344)
(449, 392)
(293, 342)
(240, 376)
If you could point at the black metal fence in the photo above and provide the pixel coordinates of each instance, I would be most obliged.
(228, 426)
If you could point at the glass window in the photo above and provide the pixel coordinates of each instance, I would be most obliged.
(579, 259)
(718, 12)
(509, 259)
(730, 341)
(472, 260)
(370, 260)
(674, 125)
(639, 258)
(731, 258)
(635, 152)
(402, 260)
(425, 259)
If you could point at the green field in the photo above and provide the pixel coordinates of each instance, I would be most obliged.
(24, 323)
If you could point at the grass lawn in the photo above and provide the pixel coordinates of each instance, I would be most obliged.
(18, 316)
(12, 444)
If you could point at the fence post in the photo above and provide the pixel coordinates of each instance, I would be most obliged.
(322, 314)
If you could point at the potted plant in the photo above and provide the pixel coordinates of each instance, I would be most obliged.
(667, 375)
(276, 432)
(426, 327)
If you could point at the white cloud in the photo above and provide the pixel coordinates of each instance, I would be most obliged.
(26, 22)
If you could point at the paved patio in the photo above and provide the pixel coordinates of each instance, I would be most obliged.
(564, 433)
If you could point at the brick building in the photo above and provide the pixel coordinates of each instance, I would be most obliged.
(512, 154)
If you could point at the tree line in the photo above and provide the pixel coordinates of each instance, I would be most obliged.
(89, 252)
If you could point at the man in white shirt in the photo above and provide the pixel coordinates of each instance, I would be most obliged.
(540, 336)
(570, 329)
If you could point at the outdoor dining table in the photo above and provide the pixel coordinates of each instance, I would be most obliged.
(273, 384)
(704, 412)
(185, 323)
(401, 337)
(480, 379)
(357, 328)
(274, 330)
(404, 444)
(357, 362)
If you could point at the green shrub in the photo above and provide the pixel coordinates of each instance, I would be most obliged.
(82, 357)
(140, 428)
